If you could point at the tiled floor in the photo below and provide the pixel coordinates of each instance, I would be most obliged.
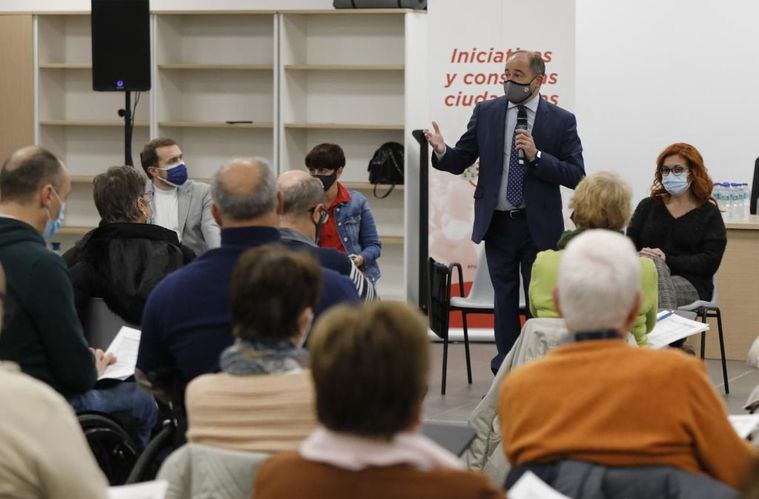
(461, 398)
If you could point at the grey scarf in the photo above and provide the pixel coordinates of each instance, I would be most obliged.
(246, 358)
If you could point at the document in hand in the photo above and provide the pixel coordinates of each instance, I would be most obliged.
(529, 486)
(125, 347)
(744, 424)
(145, 490)
(672, 327)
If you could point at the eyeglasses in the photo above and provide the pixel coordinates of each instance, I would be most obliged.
(676, 170)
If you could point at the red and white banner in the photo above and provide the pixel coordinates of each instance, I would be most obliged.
(469, 43)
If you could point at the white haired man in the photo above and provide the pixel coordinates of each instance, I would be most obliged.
(599, 400)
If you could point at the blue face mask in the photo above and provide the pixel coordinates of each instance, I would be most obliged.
(176, 175)
(675, 185)
(53, 226)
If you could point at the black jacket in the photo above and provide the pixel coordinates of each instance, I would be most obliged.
(41, 331)
(122, 263)
(583, 480)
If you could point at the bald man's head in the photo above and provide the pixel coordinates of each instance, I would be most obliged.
(301, 191)
(27, 171)
(245, 189)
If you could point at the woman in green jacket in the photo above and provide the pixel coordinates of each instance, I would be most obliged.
(601, 201)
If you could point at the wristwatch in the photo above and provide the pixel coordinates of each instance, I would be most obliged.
(535, 161)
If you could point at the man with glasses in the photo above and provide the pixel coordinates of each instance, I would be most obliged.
(179, 203)
(303, 215)
(124, 258)
(528, 148)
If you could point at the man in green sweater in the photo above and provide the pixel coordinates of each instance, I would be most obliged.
(42, 332)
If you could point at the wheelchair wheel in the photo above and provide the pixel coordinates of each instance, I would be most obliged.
(113, 448)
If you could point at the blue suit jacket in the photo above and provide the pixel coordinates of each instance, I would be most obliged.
(555, 135)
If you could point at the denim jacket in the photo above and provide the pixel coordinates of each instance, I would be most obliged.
(358, 232)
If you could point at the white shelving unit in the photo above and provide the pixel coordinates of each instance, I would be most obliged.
(347, 76)
(286, 80)
(212, 69)
(79, 125)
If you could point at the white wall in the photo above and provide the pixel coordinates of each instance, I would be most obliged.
(653, 72)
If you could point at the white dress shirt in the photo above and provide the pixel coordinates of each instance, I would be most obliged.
(511, 122)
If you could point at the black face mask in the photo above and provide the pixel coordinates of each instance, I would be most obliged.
(327, 180)
(323, 216)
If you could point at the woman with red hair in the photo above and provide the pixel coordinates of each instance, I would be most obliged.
(680, 227)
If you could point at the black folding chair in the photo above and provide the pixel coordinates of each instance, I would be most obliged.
(438, 310)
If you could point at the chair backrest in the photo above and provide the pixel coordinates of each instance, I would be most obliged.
(715, 295)
(482, 287)
(101, 325)
(439, 296)
(197, 471)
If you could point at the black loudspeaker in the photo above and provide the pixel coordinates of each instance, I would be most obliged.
(120, 45)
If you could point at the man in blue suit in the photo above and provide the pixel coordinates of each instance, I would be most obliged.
(517, 202)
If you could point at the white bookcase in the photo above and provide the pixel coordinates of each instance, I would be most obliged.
(211, 69)
(286, 80)
(348, 77)
(80, 126)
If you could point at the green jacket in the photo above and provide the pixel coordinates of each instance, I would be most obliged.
(545, 272)
(41, 331)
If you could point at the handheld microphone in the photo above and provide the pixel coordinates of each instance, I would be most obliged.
(521, 125)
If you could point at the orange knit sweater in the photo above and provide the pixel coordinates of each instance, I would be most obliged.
(606, 402)
(288, 475)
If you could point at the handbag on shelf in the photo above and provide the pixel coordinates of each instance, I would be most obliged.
(386, 167)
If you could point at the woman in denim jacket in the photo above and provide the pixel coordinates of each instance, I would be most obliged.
(350, 227)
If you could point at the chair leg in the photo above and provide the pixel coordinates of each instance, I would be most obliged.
(702, 316)
(718, 315)
(703, 345)
(445, 365)
(466, 349)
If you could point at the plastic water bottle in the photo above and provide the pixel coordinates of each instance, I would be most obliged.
(735, 201)
(727, 202)
(746, 193)
(717, 194)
